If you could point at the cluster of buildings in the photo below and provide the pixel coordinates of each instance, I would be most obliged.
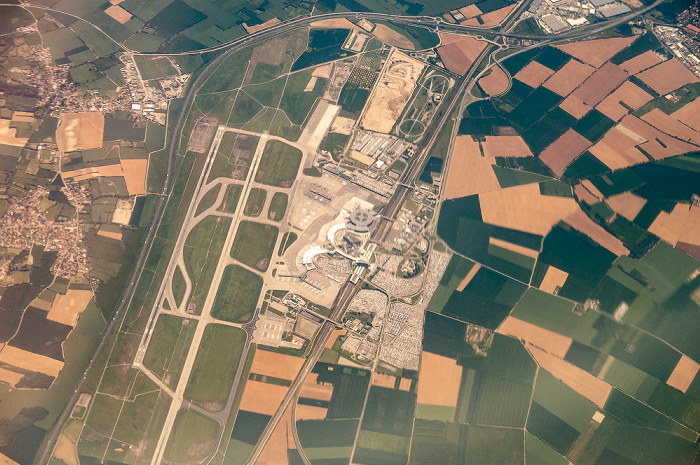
(555, 16)
(379, 150)
(147, 101)
(25, 224)
(683, 47)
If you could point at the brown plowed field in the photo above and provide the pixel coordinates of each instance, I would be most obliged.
(616, 150)
(118, 13)
(584, 194)
(564, 150)
(569, 77)
(523, 208)
(469, 172)
(391, 37)
(135, 175)
(469, 276)
(493, 18)
(276, 365)
(80, 131)
(691, 231)
(629, 94)
(514, 247)
(439, 380)
(8, 135)
(30, 361)
(626, 204)
(553, 278)
(495, 83)
(688, 114)
(575, 107)
(505, 146)
(667, 76)
(309, 412)
(458, 55)
(470, 11)
(668, 226)
(658, 145)
(640, 62)
(670, 125)
(684, 374)
(9, 377)
(594, 389)
(534, 74)
(66, 308)
(598, 51)
(312, 389)
(275, 451)
(262, 397)
(583, 224)
(600, 84)
(545, 339)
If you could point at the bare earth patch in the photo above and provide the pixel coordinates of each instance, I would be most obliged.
(113, 170)
(569, 77)
(505, 146)
(641, 62)
(335, 23)
(310, 412)
(523, 208)
(626, 204)
(583, 224)
(80, 131)
(544, 339)
(598, 51)
(594, 389)
(585, 195)
(534, 74)
(67, 308)
(260, 27)
(553, 278)
(392, 92)
(495, 83)
(382, 380)
(275, 451)
(667, 76)
(564, 150)
(629, 94)
(439, 380)
(691, 231)
(495, 18)
(314, 389)
(469, 172)
(684, 374)
(470, 11)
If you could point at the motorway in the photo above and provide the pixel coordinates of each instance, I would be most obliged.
(389, 211)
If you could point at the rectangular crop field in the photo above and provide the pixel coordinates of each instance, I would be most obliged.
(279, 164)
(254, 243)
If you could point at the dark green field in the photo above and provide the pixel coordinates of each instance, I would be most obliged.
(255, 202)
(278, 206)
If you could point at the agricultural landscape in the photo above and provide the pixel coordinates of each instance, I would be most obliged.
(349, 232)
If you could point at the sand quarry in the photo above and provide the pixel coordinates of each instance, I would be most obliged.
(80, 131)
(394, 88)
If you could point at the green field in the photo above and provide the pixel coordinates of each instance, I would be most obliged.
(169, 344)
(296, 102)
(254, 244)
(179, 286)
(215, 366)
(255, 202)
(278, 206)
(335, 144)
(208, 199)
(230, 202)
(287, 240)
(238, 295)
(495, 446)
(192, 438)
(279, 164)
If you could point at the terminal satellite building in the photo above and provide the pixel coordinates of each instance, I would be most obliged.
(360, 221)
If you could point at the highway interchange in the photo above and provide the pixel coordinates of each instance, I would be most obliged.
(389, 211)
